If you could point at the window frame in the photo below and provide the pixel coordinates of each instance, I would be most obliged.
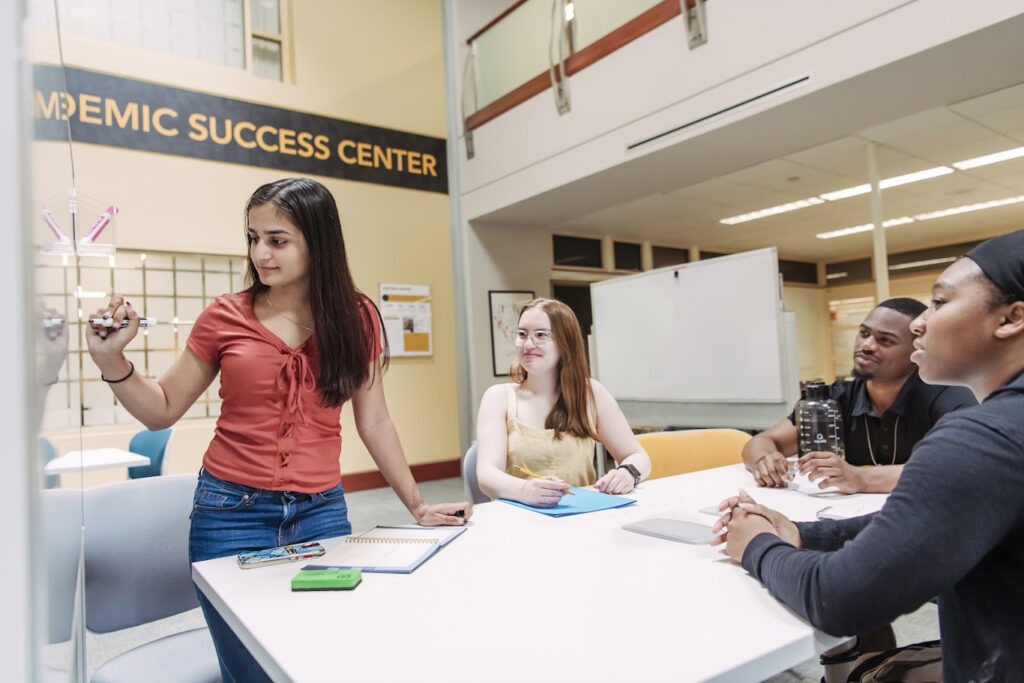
(71, 386)
(282, 39)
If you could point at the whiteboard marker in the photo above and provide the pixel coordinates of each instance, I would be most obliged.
(109, 322)
(52, 321)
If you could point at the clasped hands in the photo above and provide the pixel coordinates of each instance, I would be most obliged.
(826, 469)
(743, 519)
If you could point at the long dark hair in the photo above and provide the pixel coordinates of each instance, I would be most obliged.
(342, 314)
(571, 412)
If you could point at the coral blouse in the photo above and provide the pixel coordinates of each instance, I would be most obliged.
(273, 432)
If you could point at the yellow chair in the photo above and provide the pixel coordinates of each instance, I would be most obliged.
(692, 450)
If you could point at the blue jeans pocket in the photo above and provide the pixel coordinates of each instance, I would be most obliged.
(333, 493)
(213, 494)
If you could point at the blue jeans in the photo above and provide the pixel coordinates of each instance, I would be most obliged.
(229, 518)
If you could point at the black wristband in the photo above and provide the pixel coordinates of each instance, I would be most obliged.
(118, 381)
(633, 472)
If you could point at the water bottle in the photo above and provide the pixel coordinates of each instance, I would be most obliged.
(819, 422)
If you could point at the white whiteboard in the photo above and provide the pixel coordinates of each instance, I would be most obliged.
(709, 331)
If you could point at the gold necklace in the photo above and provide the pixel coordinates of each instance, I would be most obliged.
(895, 437)
(298, 324)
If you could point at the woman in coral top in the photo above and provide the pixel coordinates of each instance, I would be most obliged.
(291, 350)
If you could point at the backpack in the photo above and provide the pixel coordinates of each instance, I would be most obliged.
(918, 663)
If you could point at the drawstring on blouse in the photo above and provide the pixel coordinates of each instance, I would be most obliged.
(294, 377)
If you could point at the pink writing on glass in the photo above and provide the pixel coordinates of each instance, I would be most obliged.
(100, 223)
(52, 222)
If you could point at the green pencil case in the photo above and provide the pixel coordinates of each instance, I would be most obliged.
(327, 579)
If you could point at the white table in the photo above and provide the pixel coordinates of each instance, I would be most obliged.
(524, 597)
(94, 459)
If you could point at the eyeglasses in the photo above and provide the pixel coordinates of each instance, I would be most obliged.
(539, 337)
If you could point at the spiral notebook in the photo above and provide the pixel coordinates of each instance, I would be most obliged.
(389, 549)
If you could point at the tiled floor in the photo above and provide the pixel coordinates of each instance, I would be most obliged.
(381, 506)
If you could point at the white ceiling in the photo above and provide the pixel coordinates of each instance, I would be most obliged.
(936, 137)
(957, 101)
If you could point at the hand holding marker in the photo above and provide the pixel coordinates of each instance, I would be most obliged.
(109, 322)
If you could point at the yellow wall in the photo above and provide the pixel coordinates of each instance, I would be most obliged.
(378, 63)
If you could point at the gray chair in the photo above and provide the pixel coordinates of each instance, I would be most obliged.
(473, 491)
(137, 571)
(48, 453)
(61, 530)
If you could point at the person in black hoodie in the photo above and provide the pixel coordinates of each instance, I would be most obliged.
(954, 525)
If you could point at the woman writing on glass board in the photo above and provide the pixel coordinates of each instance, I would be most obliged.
(291, 350)
(548, 419)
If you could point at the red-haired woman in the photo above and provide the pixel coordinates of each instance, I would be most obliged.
(548, 419)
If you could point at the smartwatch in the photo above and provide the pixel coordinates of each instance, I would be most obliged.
(632, 470)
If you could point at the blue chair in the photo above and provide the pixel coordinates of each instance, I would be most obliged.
(153, 445)
(48, 453)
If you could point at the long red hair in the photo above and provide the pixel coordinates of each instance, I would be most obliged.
(571, 413)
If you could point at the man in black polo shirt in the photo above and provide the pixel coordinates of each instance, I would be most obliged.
(886, 410)
(954, 525)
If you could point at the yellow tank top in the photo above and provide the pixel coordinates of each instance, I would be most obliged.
(570, 458)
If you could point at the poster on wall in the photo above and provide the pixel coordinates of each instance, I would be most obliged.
(406, 310)
(505, 309)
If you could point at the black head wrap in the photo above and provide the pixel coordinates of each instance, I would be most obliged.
(1002, 260)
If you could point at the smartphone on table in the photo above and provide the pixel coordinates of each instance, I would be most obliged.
(284, 553)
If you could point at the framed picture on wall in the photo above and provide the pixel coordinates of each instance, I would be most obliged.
(505, 308)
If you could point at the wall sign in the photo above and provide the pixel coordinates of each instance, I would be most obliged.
(123, 112)
(407, 315)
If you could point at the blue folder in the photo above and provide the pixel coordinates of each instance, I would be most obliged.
(585, 500)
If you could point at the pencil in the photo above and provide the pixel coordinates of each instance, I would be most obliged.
(528, 472)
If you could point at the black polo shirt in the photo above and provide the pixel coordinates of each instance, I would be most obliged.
(916, 409)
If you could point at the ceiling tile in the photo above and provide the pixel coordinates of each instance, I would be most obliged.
(992, 102)
(911, 125)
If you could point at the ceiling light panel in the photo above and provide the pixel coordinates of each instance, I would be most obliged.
(967, 208)
(863, 228)
(987, 159)
(895, 181)
(915, 177)
(846, 192)
(772, 210)
(923, 263)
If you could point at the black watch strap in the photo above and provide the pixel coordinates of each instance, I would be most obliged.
(632, 470)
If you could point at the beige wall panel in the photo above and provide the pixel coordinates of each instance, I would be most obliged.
(811, 330)
(500, 257)
(343, 49)
(377, 63)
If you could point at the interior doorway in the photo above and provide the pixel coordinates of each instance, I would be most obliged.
(577, 297)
